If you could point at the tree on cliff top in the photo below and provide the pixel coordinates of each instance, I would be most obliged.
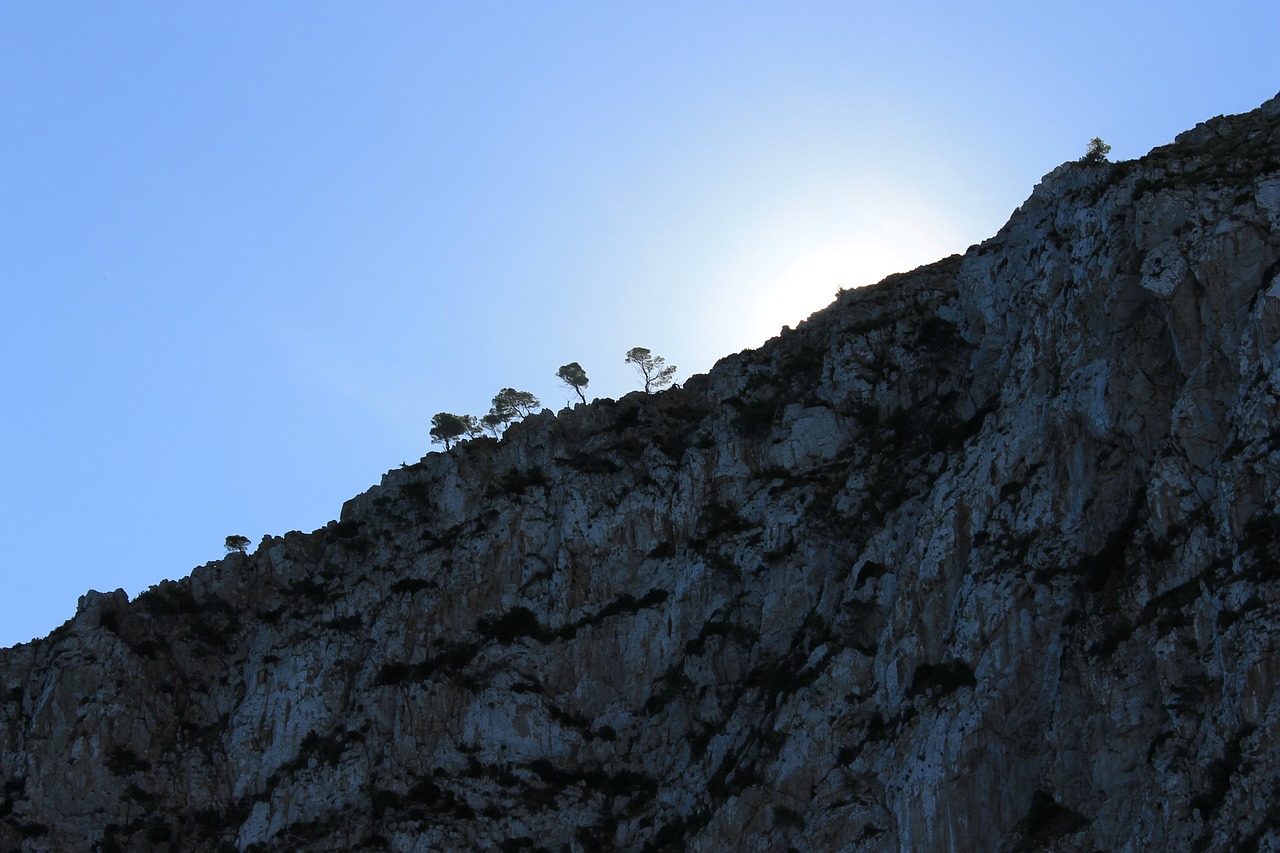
(447, 428)
(509, 404)
(1096, 152)
(653, 369)
(575, 377)
(516, 403)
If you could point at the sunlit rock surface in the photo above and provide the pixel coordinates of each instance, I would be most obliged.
(984, 557)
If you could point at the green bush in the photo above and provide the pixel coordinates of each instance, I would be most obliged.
(121, 761)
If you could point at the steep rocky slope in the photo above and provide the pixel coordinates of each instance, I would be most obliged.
(984, 557)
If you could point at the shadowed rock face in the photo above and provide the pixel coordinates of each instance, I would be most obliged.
(984, 557)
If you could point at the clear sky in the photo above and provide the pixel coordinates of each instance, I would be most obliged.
(248, 249)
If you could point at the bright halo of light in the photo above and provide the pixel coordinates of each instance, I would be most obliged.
(791, 261)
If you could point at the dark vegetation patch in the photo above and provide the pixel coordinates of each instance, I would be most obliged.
(273, 615)
(732, 776)
(425, 800)
(719, 519)
(568, 719)
(662, 551)
(1168, 610)
(347, 534)
(324, 749)
(932, 426)
(801, 366)
(869, 831)
(627, 603)
(158, 832)
(787, 818)
(755, 419)
(214, 633)
(111, 833)
(1228, 617)
(781, 551)
(734, 631)
(517, 481)
(418, 492)
(346, 624)
(674, 834)
(408, 586)
(1261, 538)
(887, 488)
(627, 419)
(14, 789)
(779, 677)
(623, 605)
(871, 570)
(1156, 743)
(783, 675)
(515, 624)
(444, 539)
(1009, 551)
(168, 598)
(593, 463)
(676, 425)
(121, 761)
(796, 374)
(348, 529)
(1115, 629)
(1047, 820)
(1108, 569)
(541, 784)
(149, 647)
(673, 683)
(451, 659)
(622, 783)
(879, 728)
(944, 678)
(936, 334)
(309, 589)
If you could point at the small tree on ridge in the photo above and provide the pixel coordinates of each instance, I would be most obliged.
(518, 403)
(508, 404)
(653, 369)
(575, 377)
(1096, 152)
(447, 428)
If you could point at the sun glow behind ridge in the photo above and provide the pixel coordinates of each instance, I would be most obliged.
(791, 260)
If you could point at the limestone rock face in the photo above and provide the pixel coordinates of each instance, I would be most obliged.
(984, 557)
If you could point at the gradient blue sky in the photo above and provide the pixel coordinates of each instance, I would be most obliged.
(248, 249)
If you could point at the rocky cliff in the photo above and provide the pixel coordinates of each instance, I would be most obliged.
(984, 557)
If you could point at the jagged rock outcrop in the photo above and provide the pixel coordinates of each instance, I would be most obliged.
(984, 557)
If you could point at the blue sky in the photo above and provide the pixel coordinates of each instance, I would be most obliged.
(248, 249)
